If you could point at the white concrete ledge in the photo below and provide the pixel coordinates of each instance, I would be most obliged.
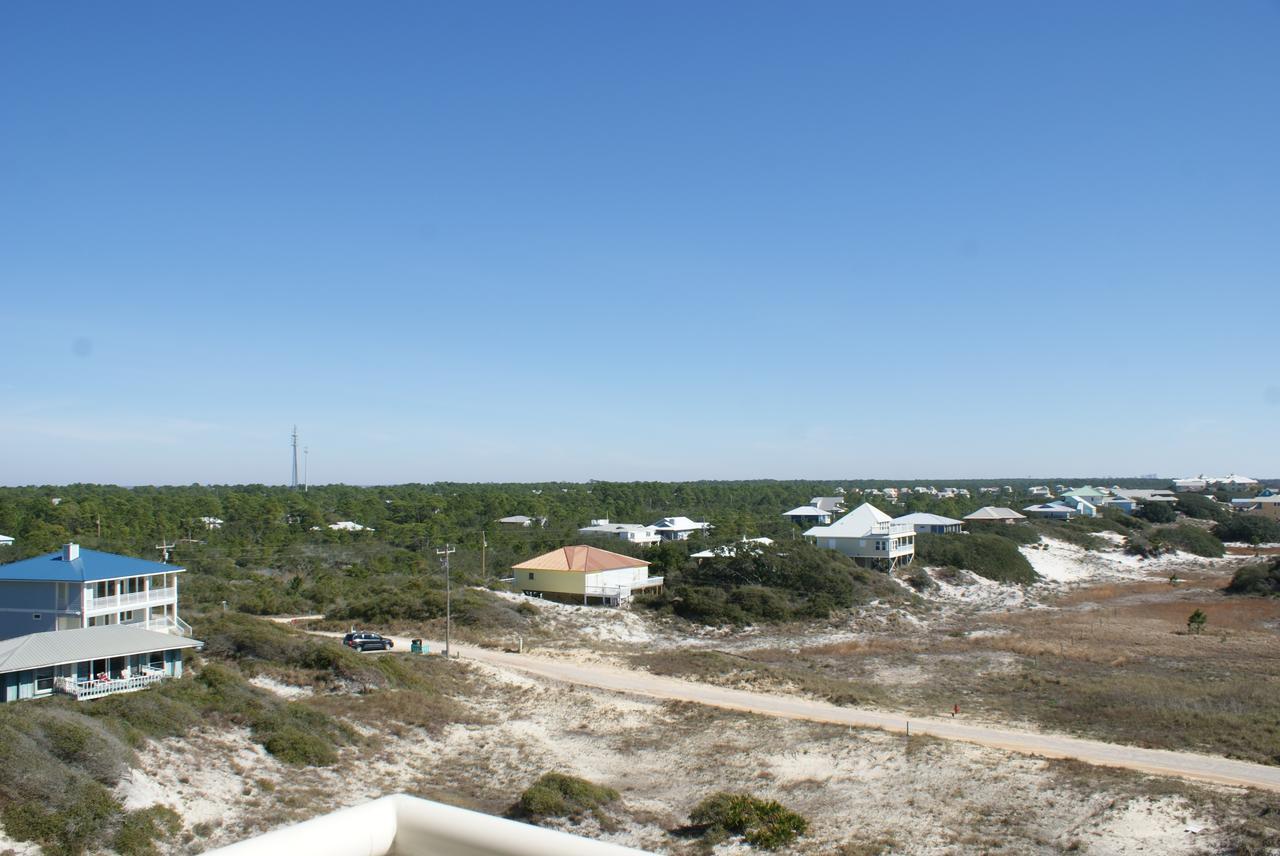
(401, 825)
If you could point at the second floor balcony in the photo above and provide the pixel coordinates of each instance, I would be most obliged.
(129, 600)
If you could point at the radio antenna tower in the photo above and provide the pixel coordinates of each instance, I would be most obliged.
(294, 483)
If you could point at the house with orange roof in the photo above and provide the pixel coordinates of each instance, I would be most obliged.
(582, 574)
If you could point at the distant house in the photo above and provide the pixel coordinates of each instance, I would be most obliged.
(76, 588)
(1191, 485)
(994, 514)
(1052, 511)
(933, 524)
(6, 541)
(829, 504)
(521, 521)
(583, 574)
(88, 662)
(1141, 496)
(1082, 506)
(1039, 490)
(635, 533)
(1090, 494)
(869, 536)
(808, 515)
(212, 522)
(350, 526)
(678, 528)
(1122, 503)
(726, 550)
(1235, 483)
(1265, 505)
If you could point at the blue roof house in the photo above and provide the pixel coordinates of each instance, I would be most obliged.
(74, 589)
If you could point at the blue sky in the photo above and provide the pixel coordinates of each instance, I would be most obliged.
(506, 241)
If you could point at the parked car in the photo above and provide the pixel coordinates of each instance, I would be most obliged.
(365, 641)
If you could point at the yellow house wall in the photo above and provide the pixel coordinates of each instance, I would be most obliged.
(565, 582)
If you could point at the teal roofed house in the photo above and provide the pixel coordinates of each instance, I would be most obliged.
(1088, 493)
(74, 589)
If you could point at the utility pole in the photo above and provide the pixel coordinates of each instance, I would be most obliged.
(448, 597)
(164, 549)
(484, 568)
(306, 459)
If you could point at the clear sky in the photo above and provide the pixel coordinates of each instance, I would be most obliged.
(624, 240)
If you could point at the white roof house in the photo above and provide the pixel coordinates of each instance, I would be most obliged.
(828, 503)
(636, 533)
(995, 514)
(679, 528)
(731, 549)
(349, 526)
(522, 521)
(934, 524)
(212, 522)
(870, 536)
(6, 541)
(808, 514)
(1054, 510)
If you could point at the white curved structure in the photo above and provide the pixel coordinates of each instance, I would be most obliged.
(401, 825)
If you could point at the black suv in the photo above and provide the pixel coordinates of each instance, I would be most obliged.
(362, 641)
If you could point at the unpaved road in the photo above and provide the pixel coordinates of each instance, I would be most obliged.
(1206, 768)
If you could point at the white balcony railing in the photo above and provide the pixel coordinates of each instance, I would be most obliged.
(81, 690)
(131, 599)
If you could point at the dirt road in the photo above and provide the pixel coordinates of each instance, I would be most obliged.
(1207, 768)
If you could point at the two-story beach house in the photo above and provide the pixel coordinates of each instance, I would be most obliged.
(88, 624)
(869, 536)
(76, 588)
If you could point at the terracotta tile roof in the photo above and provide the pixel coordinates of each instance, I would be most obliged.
(580, 558)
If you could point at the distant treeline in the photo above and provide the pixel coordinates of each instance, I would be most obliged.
(273, 551)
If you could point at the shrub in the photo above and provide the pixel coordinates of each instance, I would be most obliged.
(763, 823)
(1249, 529)
(1257, 579)
(1202, 507)
(1017, 533)
(1188, 538)
(67, 827)
(139, 830)
(1158, 512)
(1197, 621)
(561, 795)
(989, 556)
(301, 748)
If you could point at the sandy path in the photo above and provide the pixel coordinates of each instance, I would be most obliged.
(1207, 768)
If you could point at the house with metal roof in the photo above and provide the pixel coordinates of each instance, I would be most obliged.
(994, 514)
(1056, 510)
(6, 541)
(933, 524)
(1264, 505)
(679, 528)
(583, 574)
(636, 533)
(808, 515)
(77, 588)
(522, 521)
(829, 504)
(89, 662)
(870, 537)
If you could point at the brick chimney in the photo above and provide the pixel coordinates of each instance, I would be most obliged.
(70, 552)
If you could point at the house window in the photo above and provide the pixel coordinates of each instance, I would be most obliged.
(44, 681)
(128, 616)
(531, 575)
(156, 659)
(35, 616)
